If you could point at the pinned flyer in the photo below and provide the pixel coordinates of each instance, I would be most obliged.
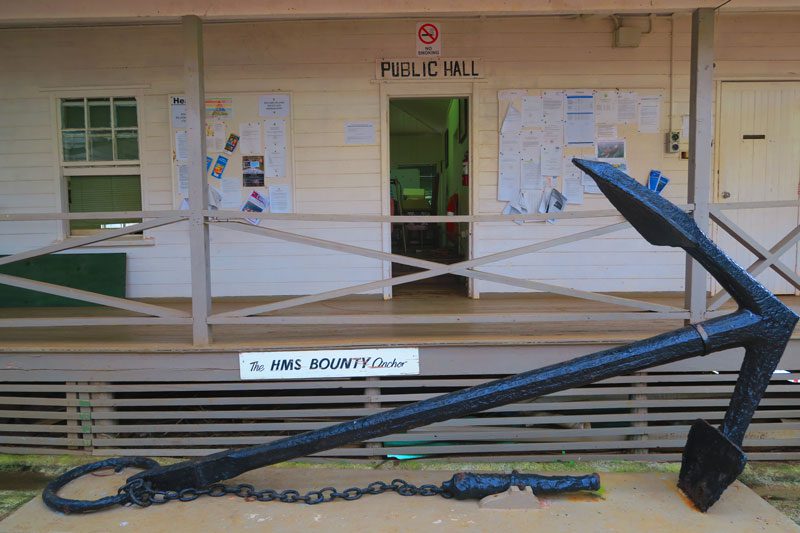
(231, 143)
(255, 203)
(219, 167)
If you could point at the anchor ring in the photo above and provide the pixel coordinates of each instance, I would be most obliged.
(69, 506)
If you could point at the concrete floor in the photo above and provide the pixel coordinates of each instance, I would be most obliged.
(629, 502)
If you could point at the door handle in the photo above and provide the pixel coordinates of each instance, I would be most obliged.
(726, 194)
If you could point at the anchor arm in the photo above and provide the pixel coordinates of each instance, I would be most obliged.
(713, 458)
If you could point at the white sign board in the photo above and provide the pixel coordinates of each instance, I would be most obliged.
(359, 133)
(178, 111)
(329, 363)
(429, 39)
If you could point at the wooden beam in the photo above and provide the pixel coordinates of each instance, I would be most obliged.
(575, 293)
(78, 322)
(774, 204)
(87, 296)
(92, 215)
(768, 259)
(701, 138)
(471, 318)
(77, 242)
(194, 82)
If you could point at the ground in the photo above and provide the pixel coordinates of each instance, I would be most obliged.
(22, 477)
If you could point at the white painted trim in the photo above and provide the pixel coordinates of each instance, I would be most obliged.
(419, 89)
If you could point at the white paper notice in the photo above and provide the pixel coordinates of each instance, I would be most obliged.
(215, 136)
(531, 174)
(508, 183)
(513, 121)
(579, 129)
(530, 144)
(359, 133)
(280, 198)
(605, 107)
(231, 193)
(183, 180)
(532, 114)
(511, 94)
(274, 105)
(181, 146)
(573, 189)
(553, 134)
(275, 163)
(553, 107)
(626, 107)
(275, 134)
(250, 138)
(178, 111)
(510, 145)
(552, 160)
(589, 186)
(606, 131)
(649, 114)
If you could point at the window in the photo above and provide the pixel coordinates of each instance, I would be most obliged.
(100, 159)
(99, 129)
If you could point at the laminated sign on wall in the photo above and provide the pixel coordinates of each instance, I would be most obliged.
(329, 363)
(429, 39)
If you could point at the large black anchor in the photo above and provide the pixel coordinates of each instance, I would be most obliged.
(712, 458)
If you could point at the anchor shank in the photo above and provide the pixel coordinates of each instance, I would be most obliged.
(676, 345)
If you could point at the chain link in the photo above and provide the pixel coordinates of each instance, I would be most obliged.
(143, 495)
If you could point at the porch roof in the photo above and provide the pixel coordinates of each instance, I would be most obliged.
(80, 12)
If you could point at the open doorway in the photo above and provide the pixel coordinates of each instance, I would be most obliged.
(429, 176)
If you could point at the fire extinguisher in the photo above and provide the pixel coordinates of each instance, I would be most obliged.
(465, 170)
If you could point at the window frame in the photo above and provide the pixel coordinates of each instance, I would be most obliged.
(66, 169)
(87, 128)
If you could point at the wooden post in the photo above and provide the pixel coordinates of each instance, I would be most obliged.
(701, 138)
(198, 188)
(370, 403)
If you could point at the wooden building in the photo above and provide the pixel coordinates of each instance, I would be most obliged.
(132, 280)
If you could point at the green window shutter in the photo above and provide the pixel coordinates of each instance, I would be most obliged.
(103, 193)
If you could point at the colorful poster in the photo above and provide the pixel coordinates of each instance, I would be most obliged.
(253, 171)
(219, 108)
(231, 143)
(219, 167)
(255, 203)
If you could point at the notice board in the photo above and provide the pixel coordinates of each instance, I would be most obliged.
(249, 152)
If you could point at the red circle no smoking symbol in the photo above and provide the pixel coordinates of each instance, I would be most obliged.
(428, 33)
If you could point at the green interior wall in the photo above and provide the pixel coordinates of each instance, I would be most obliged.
(101, 273)
(409, 149)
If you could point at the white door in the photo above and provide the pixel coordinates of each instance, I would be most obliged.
(759, 160)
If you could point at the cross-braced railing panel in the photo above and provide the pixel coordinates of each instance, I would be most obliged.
(157, 314)
(465, 268)
(767, 258)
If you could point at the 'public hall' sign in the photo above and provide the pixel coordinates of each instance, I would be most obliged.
(428, 69)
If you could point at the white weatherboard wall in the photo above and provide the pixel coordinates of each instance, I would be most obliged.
(328, 68)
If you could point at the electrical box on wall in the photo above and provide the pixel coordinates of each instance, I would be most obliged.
(673, 142)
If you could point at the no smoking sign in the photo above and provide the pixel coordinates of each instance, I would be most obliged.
(429, 39)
